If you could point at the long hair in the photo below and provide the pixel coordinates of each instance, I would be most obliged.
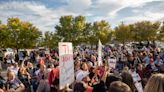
(127, 79)
(155, 83)
(119, 86)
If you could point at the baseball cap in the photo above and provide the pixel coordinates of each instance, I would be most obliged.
(81, 75)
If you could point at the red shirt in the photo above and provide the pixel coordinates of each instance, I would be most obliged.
(89, 89)
(141, 73)
(52, 75)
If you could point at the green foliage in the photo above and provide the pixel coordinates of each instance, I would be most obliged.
(49, 40)
(71, 28)
(101, 30)
(3, 35)
(145, 31)
(139, 31)
(22, 34)
(19, 34)
(77, 30)
(123, 33)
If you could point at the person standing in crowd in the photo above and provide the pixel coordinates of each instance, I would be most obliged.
(24, 77)
(136, 79)
(155, 83)
(44, 84)
(21, 56)
(77, 66)
(83, 77)
(159, 63)
(32, 56)
(13, 84)
(133, 67)
(53, 78)
(119, 86)
(141, 71)
(39, 75)
(146, 59)
(127, 79)
(15, 68)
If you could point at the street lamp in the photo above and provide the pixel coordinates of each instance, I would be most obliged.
(161, 24)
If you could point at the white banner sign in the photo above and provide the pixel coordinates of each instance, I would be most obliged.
(137, 78)
(99, 53)
(112, 63)
(66, 64)
(138, 85)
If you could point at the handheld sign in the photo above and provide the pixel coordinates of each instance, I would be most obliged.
(99, 53)
(136, 79)
(112, 63)
(47, 52)
(66, 64)
(138, 85)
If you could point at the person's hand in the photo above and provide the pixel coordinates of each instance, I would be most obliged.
(85, 85)
(106, 69)
(11, 90)
(66, 88)
(93, 79)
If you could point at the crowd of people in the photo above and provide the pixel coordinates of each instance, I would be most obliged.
(136, 70)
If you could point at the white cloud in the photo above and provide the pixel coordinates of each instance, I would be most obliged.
(99, 18)
(27, 11)
(111, 7)
(46, 17)
(146, 16)
(43, 17)
(154, 16)
(135, 11)
(78, 5)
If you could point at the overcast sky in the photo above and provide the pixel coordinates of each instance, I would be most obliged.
(45, 14)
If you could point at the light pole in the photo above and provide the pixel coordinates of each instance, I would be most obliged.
(159, 29)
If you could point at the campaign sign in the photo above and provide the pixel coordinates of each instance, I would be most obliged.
(138, 85)
(66, 64)
(112, 63)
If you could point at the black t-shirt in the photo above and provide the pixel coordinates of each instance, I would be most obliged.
(79, 87)
(100, 87)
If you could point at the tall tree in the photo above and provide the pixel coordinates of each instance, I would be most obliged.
(70, 28)
(85, 35)
(21, 34)
(100, 30)
(49, 40)
(4, 36)
(123, 33)
(146, 30)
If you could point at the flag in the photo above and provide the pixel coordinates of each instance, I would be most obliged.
(99, 53)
